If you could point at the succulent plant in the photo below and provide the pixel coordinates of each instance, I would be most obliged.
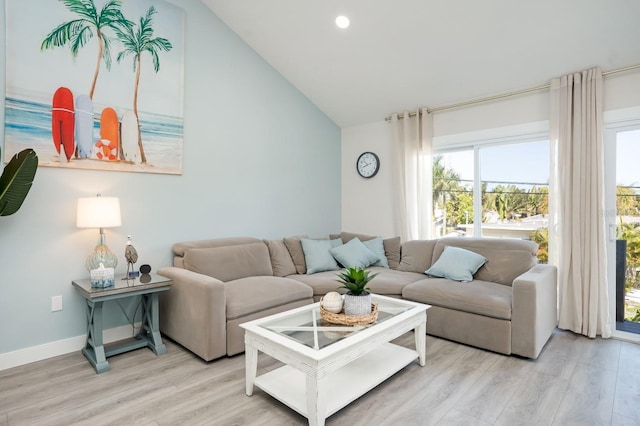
(355, 280)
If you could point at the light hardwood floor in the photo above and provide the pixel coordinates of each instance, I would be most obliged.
(575, 381)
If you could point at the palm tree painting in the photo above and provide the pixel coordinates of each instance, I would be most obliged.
(75, 98)
(137, 41)
(80, 30)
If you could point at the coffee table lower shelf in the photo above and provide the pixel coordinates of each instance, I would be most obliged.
(342, 386)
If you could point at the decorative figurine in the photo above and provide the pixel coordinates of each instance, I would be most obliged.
(131, 255)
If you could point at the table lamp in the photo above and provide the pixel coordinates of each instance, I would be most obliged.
(99, 212)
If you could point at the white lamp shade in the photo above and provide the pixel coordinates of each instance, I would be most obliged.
(98, 212)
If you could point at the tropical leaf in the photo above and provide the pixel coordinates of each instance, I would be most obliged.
(16, 180)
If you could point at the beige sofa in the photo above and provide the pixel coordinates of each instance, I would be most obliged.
(509, 307)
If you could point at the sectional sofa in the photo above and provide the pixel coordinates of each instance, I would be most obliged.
(505, 302)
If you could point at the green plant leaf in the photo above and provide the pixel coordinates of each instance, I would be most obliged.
(355, 280)
(16, 180)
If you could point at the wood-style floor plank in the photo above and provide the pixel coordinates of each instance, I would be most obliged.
(626, 403)
(574, 381)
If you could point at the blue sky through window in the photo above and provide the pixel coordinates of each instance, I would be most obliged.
(515, 162)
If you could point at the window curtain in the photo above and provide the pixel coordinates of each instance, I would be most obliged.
(577, 223)
(413, 181)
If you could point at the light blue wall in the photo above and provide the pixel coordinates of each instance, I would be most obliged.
(259, 160)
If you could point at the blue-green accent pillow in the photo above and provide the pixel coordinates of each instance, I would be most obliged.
(354, 254)
(317, 256)
(457, 264)
(377, 246)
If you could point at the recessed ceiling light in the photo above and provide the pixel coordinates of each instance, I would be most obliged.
(342, 21)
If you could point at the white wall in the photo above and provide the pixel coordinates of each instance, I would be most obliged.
(259, 160)
(367, 203)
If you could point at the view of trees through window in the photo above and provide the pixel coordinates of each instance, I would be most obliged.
(513, 185)
(628, 217)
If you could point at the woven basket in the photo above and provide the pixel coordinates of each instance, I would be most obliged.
(343, 319)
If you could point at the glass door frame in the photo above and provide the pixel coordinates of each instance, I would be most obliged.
(611, 131)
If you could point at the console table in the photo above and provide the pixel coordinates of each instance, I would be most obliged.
(147, 286)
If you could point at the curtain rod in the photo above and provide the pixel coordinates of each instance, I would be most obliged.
(505, 95)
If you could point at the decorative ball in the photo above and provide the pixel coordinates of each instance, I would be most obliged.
(332, 302)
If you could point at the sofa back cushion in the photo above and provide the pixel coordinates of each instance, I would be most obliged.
(230, 262)
(294, 246)
(281, 260)
(179, 249)
(416, 255)
(507, 258)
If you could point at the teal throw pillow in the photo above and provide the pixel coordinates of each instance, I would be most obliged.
(354, 254)
(457, 264)
(316, 255)
(377, 246)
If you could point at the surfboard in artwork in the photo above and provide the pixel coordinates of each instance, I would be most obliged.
(84, 126)
(130, 147)
(63, 122)
(109, 135)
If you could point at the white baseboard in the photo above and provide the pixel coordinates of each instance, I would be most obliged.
(60, 347)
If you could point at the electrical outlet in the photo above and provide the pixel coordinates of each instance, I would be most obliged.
(56, 303)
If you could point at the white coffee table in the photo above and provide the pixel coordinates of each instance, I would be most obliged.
(326, 366)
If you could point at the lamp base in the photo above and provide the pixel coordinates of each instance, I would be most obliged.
(101, 254)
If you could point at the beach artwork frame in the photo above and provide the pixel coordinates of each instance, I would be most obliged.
(95, 84)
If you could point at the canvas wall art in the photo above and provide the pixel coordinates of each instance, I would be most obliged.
(96, 84)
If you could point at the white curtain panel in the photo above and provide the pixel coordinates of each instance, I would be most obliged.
(577, 224)
(412, 174)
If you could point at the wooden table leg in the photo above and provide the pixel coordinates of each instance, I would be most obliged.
(251, 367)
(316, 402)
(150, 329)
(94, 346)
(421, 342)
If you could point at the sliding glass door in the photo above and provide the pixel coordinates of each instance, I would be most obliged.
(623, 185)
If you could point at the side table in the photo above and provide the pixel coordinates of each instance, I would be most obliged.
(147, 286)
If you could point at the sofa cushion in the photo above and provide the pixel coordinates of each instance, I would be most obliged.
(391, 246)
(507, 257)
(376, 245)
(281, 261)
(254, 294)
(504, 266)
(416, 255)
(231, 262)
(181, 248)
(457, 264)
(478, 297)
(354, 254)
(295, 250)
(317, 254)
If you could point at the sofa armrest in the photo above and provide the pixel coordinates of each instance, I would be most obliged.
(193, 312)
(534, 313)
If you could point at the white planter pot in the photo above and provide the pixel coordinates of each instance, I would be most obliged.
(357, 305)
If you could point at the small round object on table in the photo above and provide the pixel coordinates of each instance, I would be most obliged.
(145, 269)
(332, 302)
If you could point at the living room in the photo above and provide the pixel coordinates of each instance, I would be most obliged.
(260, 159)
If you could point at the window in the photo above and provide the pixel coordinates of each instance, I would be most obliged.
(453, 193)
(505, 196)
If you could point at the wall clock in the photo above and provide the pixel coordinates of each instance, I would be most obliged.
(368, 164)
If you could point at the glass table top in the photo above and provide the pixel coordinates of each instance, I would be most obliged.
(308, 328)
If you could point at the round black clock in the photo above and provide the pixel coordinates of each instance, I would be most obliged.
(368, 164)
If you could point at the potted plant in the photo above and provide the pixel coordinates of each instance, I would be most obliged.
(357, 300)
(16, 180)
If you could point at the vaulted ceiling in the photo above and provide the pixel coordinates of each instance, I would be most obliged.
(404, 54)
